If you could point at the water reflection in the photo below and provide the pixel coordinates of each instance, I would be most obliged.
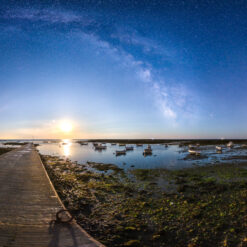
(170, 157)
(162, 157)
(66, 144)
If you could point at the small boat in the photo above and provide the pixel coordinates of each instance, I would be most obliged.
(120, 152)
(95, 144)
(198, 144)
(166, 145)
(139, 145)
(129, 148)
(194, 152)
(147, 151)
(113, 144)
(244, 146)
(100, 147)
(121, 145)
(190, 146)
(83, 143)
(230, 144)
(218, 148)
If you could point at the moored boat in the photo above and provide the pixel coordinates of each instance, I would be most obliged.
(148, 150)
(83, 143)
(120, 152)
(194, 152)
(100, 147)
(230, 144)
(129, 148)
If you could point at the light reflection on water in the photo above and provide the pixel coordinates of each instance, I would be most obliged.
(162, 157)
(171, 157)
(66, 144)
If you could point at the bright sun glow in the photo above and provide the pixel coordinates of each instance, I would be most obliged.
(66, 127)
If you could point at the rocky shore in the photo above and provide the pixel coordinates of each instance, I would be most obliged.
(201, 206)
(5, 150)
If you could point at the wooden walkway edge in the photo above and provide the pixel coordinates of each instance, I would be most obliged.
(28, 205)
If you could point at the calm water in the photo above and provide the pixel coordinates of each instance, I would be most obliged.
(172, 157)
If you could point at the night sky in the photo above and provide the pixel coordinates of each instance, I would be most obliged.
(123, 69)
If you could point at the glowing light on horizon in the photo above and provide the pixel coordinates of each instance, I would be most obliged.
(66, 127)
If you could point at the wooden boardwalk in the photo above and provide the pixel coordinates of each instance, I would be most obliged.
(28, 204)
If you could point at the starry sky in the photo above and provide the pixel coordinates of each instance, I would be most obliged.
(123, 68)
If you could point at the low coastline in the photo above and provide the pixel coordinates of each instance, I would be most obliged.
(200, 206)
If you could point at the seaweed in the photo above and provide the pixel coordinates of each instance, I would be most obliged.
(130, 208)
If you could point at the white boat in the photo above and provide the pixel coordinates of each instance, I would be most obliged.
(120, 152)
(230, 144)
(100, 147)
(192, 151)
(129, 148)
(218, 148)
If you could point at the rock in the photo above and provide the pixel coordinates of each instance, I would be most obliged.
(132, 243)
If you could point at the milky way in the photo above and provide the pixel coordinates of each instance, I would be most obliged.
(124, 68)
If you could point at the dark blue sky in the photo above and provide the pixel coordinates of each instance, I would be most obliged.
(151, 69)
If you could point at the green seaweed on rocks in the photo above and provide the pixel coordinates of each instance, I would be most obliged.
(5, 150)
(204, 206)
